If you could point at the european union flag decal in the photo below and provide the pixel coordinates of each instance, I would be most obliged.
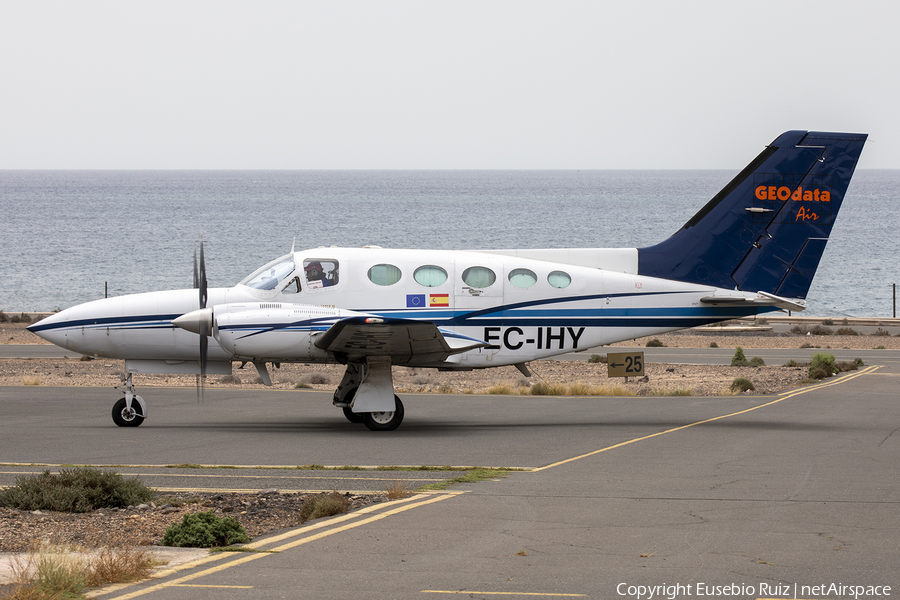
(415, 301)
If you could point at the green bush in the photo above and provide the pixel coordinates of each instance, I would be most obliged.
(597, 358)
(757, 361)
(739, 360)
(742, 384)
(75, 490)
(205, 530)
(822, 366)
(654, 343)
(846, 331)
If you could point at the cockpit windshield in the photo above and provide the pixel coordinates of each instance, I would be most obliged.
(269, 276)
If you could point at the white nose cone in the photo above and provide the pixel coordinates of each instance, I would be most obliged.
(197, 321)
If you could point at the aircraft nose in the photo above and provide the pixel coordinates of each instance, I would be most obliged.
(52, 328)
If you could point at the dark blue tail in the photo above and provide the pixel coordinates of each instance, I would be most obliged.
(767, 229)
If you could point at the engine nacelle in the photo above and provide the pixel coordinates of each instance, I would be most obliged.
(274, 332)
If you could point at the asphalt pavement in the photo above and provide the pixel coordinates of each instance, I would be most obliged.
(721, 496)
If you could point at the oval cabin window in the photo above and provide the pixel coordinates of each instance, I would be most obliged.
(559, 279)
(479, 277)
(522, 278)
(384, 274)
(430, 276)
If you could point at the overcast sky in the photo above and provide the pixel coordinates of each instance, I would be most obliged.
(380, 84)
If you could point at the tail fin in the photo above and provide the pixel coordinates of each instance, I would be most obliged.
(766, 230)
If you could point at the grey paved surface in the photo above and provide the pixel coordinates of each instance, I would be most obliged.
(796, 489)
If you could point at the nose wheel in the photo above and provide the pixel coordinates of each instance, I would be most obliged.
(127, 416)
(129, 411)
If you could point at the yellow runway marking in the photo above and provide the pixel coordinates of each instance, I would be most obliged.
(415, 502)
(784, 396)
(551, 595)
(228, 587)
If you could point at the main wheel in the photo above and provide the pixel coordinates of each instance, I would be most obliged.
(124, 416)
(348, 412)
(387, 420)
(352, 416)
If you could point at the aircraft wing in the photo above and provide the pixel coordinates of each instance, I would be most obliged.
(405, 341)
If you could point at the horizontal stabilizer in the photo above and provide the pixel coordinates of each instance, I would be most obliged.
(761, 299)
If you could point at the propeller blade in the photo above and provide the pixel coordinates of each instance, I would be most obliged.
(202, 286)
(204, 348)
(196, 276)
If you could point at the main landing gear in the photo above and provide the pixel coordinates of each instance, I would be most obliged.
(129, 411)
(366, 395)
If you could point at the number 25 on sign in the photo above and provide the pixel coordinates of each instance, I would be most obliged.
(625, 364)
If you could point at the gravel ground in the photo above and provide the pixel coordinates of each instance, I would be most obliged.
(662, 378)
(258, 513)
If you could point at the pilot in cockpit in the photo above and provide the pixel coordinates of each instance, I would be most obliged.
(315, 273)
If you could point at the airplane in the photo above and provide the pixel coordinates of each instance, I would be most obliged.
(753, 248)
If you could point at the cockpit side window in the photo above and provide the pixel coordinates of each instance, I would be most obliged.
(320, 272)
(293, 286)
(269, 276)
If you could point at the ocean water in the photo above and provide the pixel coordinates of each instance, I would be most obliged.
(68, 234)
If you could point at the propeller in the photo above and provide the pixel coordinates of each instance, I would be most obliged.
(203, 325)
(205, 330)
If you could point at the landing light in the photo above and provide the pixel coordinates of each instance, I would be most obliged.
(372, 320)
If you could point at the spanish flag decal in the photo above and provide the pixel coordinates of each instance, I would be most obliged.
(438, 300)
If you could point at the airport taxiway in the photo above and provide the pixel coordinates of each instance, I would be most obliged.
(794, 488)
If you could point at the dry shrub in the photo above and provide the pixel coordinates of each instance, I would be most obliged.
(34, 380)
(324, 505)
(742, 384)
(49, 571)
(316, 378)
(119, 565)
(398, 489)
(671, 392)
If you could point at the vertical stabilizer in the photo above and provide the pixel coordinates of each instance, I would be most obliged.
(766, 230)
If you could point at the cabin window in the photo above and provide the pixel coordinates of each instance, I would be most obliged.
(479, 277)
(430, 276)
(320, 272)
(384, 274)
(268, 277)
(522, 278)
(559, 279)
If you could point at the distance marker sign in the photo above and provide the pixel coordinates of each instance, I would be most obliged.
(625, 364)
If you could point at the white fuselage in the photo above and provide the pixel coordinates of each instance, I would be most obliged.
(525, 308)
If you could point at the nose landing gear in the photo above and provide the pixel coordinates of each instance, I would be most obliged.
(129, 411)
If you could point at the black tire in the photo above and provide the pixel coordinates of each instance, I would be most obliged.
(125, 418)
(348, 412)
(385, 421)
(354, 417)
